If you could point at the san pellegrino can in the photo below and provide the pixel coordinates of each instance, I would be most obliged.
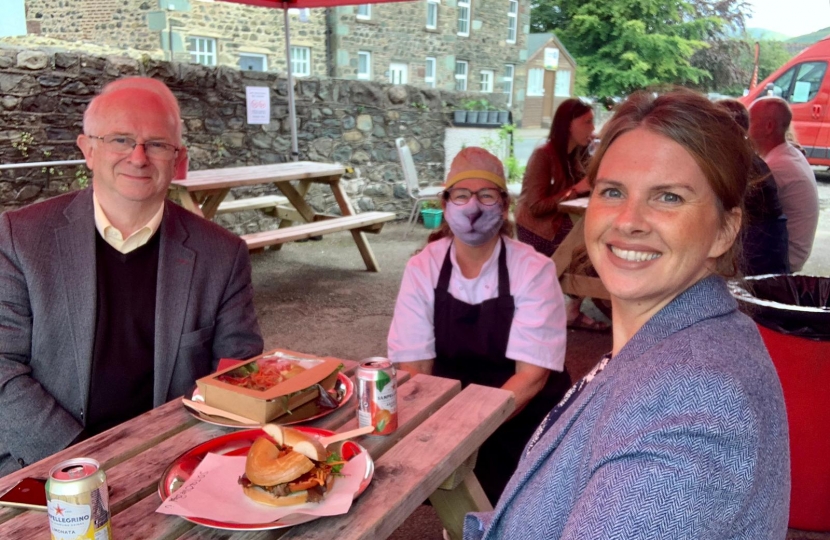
(78, 501)
(377, 394)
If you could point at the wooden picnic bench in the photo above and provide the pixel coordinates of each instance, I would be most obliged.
(440, 428)
(204, 192)
(576, 284)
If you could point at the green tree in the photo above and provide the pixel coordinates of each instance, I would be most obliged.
(625, 45)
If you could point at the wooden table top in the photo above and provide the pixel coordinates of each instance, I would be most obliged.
(574, 206)
(258, 174)
(440, 426)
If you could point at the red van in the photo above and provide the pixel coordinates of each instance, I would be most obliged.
(804, 82)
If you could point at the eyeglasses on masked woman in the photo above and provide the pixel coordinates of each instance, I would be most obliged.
(486, 196)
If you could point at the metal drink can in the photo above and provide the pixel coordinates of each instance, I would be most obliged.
(377, 395)
(78, 501)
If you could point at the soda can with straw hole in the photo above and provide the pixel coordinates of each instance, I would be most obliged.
(78, 501)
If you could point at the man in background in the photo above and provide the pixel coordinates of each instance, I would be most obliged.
(769, 119)
(113, 300)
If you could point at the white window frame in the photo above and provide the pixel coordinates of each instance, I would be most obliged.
(512, 20)
(367, 75)
(429, 80)
(461, 78)
(485, 81)
(363, 12)
(464, 17)
(432, 14)
(263, 57)
(535, 82)
(202, 50)
(507, 85)
(300, 67)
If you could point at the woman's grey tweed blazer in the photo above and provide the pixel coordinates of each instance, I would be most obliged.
(683, 435)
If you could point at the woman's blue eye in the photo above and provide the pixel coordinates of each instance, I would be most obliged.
(611, 192)
(671, 198)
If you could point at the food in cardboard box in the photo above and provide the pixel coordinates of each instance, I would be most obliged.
(269, 386)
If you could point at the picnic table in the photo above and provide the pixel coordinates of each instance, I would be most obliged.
(203, 193)
(429, 456)
(576, 284)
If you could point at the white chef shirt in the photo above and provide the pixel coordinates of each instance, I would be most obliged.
(537, 335)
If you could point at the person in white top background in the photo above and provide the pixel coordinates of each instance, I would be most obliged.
(478, 306)
(769, 119)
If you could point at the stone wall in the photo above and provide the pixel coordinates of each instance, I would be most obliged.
(396, 33)
(43, 96)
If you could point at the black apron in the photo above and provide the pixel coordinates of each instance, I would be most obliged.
(470, 345)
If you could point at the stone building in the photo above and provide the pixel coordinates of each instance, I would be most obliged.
(464, 45)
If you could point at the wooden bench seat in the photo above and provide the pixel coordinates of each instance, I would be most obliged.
(253, 203)
(365, 222)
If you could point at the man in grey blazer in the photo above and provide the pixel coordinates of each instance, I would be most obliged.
(113, 300)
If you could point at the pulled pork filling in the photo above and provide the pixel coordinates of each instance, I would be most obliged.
(315, 493)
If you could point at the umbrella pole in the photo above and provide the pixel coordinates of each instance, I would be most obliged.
(292, 113)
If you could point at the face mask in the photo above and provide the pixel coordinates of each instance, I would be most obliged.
(474, 223)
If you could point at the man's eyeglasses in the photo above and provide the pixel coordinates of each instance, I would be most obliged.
(125, 145)
(486, 196)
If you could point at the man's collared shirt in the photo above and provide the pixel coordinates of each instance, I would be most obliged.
(113, 236)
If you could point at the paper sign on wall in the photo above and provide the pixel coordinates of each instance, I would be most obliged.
(551, 58)
(258, 101)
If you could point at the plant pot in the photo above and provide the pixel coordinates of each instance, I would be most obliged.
(504, 117)
(432, 217)
(492, 117)
(459, 117)
(472, 117)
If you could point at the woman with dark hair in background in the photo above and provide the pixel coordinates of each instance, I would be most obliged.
(477, 306)
(556, 173)
(680, 431)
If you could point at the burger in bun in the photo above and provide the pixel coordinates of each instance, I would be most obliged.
(294, 470)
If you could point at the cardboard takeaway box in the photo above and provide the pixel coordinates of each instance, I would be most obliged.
(268, 404)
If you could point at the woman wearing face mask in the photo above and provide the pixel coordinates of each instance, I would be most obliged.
(478, 306)
(556, 173)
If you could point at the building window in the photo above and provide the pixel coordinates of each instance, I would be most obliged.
(202, 50)
(512, 20)
(461, 75)
(536, 82)
(364, 65)
(432, 14)
(507, 86)
(364, 12)
(301, 61)
(398, 73)
(429, 72)
(562, 88)
(486, 80)
(253, 62)
(463, 17)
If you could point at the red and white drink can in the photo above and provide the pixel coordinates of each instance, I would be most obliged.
(377, 395)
